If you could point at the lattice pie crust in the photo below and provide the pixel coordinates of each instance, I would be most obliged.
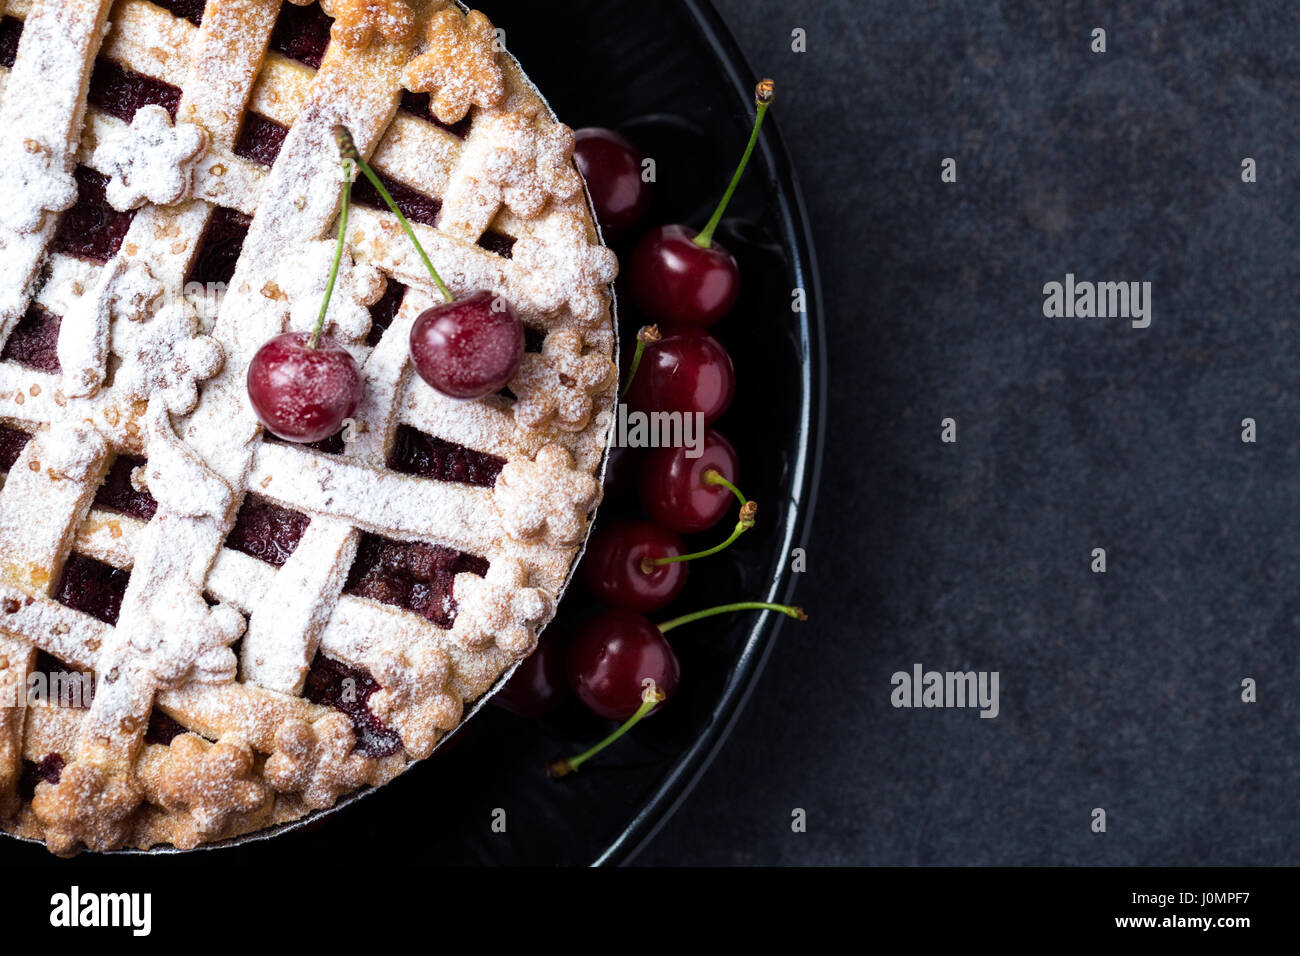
(208, 718)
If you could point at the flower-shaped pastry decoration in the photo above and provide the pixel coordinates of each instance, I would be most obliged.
(33, 184)
(459, 65)
(413, 696)
(162, 351)
(301, 277)
(557, 385)
(317, 761)
(546, 498)
(153, 161)
(500, 609)
(528, 166)
(565, 268)
(184, 639)
(357, 22)
(89, 805)
(135, 292)
(213, 782)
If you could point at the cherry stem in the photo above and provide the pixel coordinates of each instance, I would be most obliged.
(713, 477)
(651, 697)
(748, 511)
(648, 335)
(795, 612)
(348, 149)
(314, 341)
(764, 93)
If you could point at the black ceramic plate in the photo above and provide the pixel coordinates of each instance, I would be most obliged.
(667, 74)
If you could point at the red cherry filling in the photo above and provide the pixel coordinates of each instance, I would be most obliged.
(498, 243)
(418, 104)
(415, 453)
(120, 92)
(117, 493)
(162, 729)
(34, 342)
(92, 587)
(266, 531)
(611, 656)
(63, 682)
(191, 10)
(12, 443)
(300, 393)
(92, 229)
(470, 347)
(11, 29)
(220, 246)
(675, 281)
(385, 310)
(539, 685)
(302, 33)
(612, 167)
(613, 565)
(674, 490)
(334, 684)
(414, 204)
(260, 139)
(685, 371)
(411, 575)
(49, 769)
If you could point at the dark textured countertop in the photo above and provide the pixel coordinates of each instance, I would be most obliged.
(1119, 690)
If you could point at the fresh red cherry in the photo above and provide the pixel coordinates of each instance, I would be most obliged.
(466, 348)
(675, 490)
(539, 684)
(681, 277)
(611, 655)
(469, 347)
(301, 393)
(612, 167)
(685, 371)
(679, 283)
(613, 566)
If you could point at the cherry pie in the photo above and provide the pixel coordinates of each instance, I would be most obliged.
(269, 625)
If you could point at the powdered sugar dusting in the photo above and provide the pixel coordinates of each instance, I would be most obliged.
(151, 160)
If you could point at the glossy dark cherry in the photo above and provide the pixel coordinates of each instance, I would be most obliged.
(468, 348)
(686, 371)
(673, 489)
(676, 282)
(610, 657)
(540, 684)
(612, 167)
(303, 394)
(612, 565)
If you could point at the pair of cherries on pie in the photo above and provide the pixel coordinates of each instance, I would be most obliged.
(304, 385)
